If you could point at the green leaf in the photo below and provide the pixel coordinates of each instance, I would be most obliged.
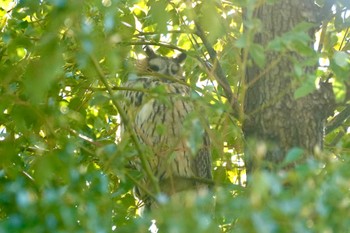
(23, 24)
(242, 41)
(339, 91)
(341, 58)
(211, 21)
(26, 117)
(306, 88)
(276, 44)
(293, 155)
(258, 54)
(126, 24)
(298, 70)
(160, 15)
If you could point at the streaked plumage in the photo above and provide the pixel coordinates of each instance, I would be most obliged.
(166, 121)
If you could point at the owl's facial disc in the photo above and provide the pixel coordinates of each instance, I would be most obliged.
(157, 65)
(164, 66)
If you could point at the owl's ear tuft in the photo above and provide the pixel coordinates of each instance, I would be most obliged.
(150, 53)
(180, 58)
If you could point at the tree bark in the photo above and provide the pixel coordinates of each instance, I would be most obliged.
(272, 115)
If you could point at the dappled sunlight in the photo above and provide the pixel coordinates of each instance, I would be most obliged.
(263, 96)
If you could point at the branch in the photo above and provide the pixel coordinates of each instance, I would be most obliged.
(128, 126)
(140, 186)
(169, 46)
(338, 120)
(143, 34)
(219, 73)
(337, 138)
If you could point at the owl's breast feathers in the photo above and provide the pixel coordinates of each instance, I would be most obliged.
(163, 117)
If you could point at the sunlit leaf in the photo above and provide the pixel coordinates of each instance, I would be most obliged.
(159, 14)
(307, 87)
(341, 58)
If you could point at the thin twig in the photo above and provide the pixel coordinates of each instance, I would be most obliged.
(219, 73)
(343, 40)
(169, 46)
(338, 120)
(140, 186)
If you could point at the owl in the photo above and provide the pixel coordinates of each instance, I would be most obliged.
(159, 108)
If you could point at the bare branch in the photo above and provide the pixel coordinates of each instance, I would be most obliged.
(338, 120)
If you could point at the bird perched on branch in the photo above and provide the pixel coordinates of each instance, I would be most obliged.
(160, 111)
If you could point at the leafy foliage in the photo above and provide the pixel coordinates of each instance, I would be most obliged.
(61, 63)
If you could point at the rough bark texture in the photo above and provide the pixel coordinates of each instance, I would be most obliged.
(273, 115)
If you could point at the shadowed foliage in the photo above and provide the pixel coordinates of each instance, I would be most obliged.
(270, 78)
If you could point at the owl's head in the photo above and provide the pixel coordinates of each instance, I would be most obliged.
(163, 66)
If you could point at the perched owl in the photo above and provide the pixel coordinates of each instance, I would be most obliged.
(158, 105)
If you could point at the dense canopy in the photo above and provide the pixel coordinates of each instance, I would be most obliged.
(62, 167)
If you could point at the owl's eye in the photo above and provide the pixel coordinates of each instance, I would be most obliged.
(174, 69)
(154, 68)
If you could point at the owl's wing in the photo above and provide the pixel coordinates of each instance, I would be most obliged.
(202, 160)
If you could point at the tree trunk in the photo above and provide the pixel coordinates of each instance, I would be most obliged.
(272, 114)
